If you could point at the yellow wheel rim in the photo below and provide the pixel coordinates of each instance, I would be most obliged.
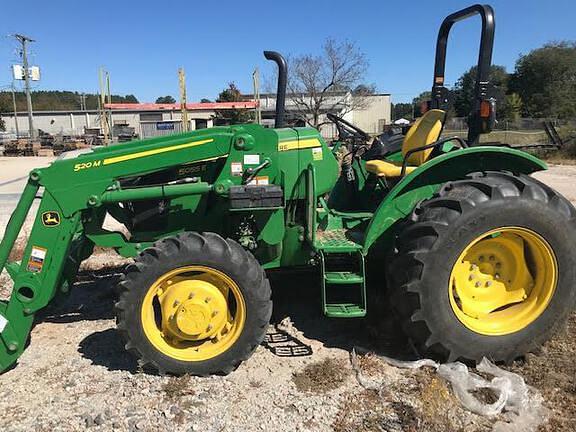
(503, 281)
(193, 313)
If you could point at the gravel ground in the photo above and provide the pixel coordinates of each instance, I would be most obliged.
(75, 375)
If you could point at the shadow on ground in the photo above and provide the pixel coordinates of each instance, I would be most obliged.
(296, 295)
(91, 298)
(106, 348)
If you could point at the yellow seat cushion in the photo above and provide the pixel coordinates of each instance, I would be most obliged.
(425, 130)
(386, 168)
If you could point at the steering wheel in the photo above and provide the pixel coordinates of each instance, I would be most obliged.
(347, 129)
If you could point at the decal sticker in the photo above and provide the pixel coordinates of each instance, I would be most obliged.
(51, 218)
(195, 169)
(86, 165)
(260, 181)
(137, 155)
(36, 260)
(153, 152)
(236, 168)
(252, 159)
(3, 323)
(317, 153)
(298, 144)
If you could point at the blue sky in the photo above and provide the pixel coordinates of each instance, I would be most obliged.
(142, 43)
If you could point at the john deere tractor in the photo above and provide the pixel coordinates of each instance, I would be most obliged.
(478, 257)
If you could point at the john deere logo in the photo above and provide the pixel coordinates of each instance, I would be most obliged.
(51, 218)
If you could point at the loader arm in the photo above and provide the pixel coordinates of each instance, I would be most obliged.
(73, 193)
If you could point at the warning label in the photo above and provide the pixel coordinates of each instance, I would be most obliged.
(236, 168)
(259, 181)
(36, 261)
(317, 153)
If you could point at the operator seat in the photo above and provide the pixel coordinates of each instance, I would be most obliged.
(425, 130)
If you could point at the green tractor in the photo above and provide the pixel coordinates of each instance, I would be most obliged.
(476, 255)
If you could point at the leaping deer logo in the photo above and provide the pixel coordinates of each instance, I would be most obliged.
(51, 218)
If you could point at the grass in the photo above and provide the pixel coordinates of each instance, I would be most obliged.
(563, 156)
(322, 376)
(363, 411)
(178, 387)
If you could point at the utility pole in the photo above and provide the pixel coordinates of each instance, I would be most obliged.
(256, 83)
(104, 125)
(110, 123)
(23, 41)
(182, 82)
(82, 102)
(15, 113)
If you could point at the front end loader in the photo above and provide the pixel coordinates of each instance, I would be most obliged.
(477, 256)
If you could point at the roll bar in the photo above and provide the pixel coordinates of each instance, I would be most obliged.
(476, 124)
(281, 91)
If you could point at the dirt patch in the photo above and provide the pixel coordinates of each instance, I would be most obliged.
(363, 411)
(553, 373)
(178, 387)
(323, 376)
(485, 395)
(404, 400)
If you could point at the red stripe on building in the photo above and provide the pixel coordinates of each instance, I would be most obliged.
(176, 106)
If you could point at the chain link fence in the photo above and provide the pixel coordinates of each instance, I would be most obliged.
(523, 132)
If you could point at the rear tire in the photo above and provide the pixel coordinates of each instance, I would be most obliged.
(168, 322)
(433, 241)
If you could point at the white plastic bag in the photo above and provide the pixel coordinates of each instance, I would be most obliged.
(520, 404)
(524, 408)
(465, 382)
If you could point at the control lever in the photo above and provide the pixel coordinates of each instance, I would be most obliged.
(251, 173)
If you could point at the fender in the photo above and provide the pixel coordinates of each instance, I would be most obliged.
(423, 182)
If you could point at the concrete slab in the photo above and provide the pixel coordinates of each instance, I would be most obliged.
(14, 172)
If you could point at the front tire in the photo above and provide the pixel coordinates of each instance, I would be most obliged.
(486, 268)
(194, 304)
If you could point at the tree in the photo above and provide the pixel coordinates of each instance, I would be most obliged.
(418, 101)
(545, 80)
(463, 91)
(513, 106)
(165, 100)
(204, 100)
(329, 82)
(233, 116)
(46, 100)
(402, 110)
(364, 90)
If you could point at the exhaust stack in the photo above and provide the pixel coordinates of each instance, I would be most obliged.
(281, 91)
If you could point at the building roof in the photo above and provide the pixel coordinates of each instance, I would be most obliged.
(336, 93)
(176, 106)
(137, 107)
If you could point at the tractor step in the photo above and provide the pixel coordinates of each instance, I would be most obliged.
(343, 282)
(335, 241)
(344, 310)
(343, 278)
